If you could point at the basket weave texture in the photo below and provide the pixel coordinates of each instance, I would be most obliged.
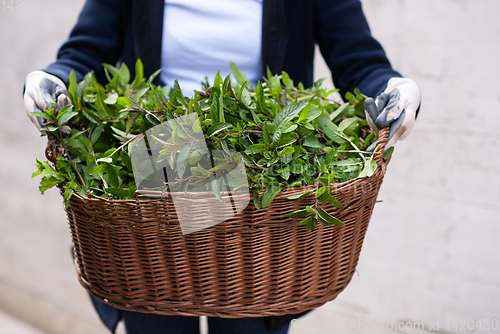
(132, 255)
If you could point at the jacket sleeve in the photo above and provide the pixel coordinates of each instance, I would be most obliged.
(355, 58)
(96, 38)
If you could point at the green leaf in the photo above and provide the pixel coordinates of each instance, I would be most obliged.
(286, 150)
(285, 172)
(288, 113)
(66, 117)
(98, 169)
(313, 142)
(323, 190)
(388, 153)
(331, 130)
(313, 114)
(338, 111)
(265, 134)
(369, 169)
(217, 127)
(215, 189)
(42, 115)
(274, 85)
(139, 74)
(269, 195)
(154, 75)
(285, 142)
(245, 97)
(126, 160)
(112, 174)
(335, 202)
(300, 196)
(238, 74)
(297, 214)
(329, 218)
(49, 128)
(289, 127)
(255, 148)
(152, 119)
(182, 159)
(47, 183)
(256, 198)
(111, 99)
(124, 74)
(310, 222)
(348, 125)
(286, 80)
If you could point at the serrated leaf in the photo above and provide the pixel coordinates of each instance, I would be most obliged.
(47, 183)
(331, 130)
(288, 113)
(285, 172)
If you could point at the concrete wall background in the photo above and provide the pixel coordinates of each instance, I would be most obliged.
(430, 254)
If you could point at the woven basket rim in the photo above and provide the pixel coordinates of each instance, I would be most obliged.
(288, 191)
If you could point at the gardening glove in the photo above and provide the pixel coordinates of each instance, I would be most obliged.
(41, 89)
(398, 105)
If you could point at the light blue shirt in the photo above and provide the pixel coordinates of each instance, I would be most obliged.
(201, 37)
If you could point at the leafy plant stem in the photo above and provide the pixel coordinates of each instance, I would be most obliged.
(353, 145)
(73, 164)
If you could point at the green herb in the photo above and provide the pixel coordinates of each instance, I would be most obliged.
(286, 136)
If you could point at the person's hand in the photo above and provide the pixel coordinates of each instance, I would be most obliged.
(397, 105)
(41, 89)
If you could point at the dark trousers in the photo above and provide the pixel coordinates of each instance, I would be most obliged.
(142, 323)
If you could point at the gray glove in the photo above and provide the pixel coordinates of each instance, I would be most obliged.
(398, 106)
(41, 89)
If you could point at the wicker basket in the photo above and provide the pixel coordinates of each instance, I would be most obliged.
(132, 255)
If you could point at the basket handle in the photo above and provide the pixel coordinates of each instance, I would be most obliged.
(383, 136)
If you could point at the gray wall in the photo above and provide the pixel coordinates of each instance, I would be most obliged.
(430, 254)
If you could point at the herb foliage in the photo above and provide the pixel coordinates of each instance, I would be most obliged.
(287, 135)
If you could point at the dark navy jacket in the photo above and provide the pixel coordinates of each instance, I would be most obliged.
(113, 31)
